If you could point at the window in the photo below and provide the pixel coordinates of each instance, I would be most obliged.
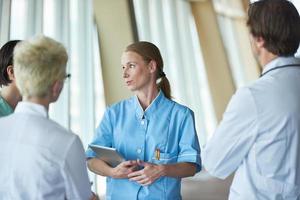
(170, 25)
(232, 23)
(70, 22)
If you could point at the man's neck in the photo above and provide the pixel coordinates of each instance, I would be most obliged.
(266, 57)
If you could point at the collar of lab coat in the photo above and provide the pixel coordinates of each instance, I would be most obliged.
(31, 108)
(280, 61)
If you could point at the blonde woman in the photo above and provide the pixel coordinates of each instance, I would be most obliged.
(39, 158)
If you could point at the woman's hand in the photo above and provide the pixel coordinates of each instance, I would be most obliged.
(148, 175)
(123, 169)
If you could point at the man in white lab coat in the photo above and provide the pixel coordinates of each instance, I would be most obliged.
(259, 135)
(39, 158)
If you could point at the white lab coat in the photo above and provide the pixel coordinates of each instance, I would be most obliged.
(39, 158)
(259, 137)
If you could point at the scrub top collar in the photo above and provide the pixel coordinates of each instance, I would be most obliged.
(150, 110)
(280, 61)
(31, 108)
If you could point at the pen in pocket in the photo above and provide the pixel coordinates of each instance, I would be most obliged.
(157, 154)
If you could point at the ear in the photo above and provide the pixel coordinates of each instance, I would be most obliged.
(259, 42)
(10, 72)
(56, 89)
(152, 66)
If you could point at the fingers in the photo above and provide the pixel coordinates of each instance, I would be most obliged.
(142, 163)
(138, 178)
(129, 163)
(146, 182)
(142, 180)
(139, 162)
(136, 173)
(132, 169)
(124, 168)
(145, 176)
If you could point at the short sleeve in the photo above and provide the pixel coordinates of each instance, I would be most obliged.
(103, 134)
(234, 136)
(75, 172)
(189, 144)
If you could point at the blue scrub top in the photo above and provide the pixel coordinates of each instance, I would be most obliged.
(165, 125)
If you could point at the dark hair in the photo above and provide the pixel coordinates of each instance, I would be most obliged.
(6, 59)
(149, 52)
(278, 23)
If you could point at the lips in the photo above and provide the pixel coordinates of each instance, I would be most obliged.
(128, 82)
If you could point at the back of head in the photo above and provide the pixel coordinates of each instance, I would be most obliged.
(38, 63)
(278, 23)
(148, 51)
(6, 59)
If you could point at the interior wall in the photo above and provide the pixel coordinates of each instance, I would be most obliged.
(115, 33)
(252, 68)
(218, 71)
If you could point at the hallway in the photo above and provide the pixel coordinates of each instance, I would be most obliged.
(205, 187)
(200, 187)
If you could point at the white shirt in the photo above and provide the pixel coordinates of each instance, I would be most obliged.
(39, 158)
(259, 137)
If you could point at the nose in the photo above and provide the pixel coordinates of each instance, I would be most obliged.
(125, 74)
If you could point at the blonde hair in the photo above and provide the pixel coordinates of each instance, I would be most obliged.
(38, 63)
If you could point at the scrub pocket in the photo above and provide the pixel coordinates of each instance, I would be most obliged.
(165, 158)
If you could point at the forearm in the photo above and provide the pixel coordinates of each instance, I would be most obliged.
(99, 167)
(178, 170)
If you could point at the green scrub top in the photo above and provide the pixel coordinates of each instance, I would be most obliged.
(5, 108)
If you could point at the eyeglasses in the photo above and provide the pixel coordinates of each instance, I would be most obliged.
(67, 76)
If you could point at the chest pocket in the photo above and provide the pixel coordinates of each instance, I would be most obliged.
(164, 158)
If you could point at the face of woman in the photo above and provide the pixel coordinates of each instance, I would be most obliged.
(136, 72)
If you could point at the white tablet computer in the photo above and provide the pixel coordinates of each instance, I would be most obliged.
(107, 154)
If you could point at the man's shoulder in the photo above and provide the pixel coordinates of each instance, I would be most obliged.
(254, 87)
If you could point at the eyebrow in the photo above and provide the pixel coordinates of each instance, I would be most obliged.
(129, 63)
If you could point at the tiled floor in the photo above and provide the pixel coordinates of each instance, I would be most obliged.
(204, 187)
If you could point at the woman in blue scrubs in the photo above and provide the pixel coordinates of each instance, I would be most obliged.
(155, 135)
